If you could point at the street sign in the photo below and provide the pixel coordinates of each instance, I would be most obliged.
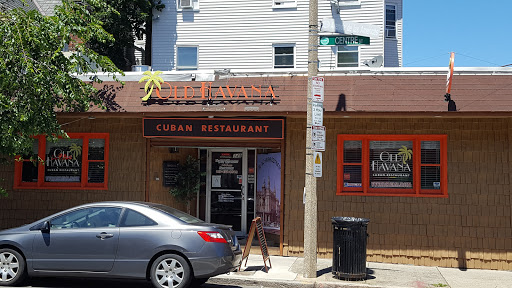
(317, 166)
(318, 89)
(318, 133)
(318, 138)
(317, 109)
(344, 40)
(318, 145)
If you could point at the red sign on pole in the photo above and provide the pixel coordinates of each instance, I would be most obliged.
(318, 89)
(449, 77)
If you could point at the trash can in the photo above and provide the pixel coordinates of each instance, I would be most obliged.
(349, 247)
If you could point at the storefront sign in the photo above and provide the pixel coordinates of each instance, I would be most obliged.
(391, 164)
(214, 128)
(344, 40)
(158, 91)
(63, 163)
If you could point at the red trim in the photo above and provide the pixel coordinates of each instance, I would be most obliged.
(83, 184)
(416, 191)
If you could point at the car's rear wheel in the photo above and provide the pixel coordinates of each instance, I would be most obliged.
(170, 271)
(12, 267)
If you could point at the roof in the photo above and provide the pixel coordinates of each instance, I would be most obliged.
(45, 7)
(396, 91)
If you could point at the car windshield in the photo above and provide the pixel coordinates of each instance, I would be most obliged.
(177, 213)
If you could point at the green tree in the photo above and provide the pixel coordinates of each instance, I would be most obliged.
(37, 79)
(187, 181)
(131, 20)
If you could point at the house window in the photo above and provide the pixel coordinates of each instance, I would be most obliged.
(284, 56)
(80, 162)
(392, 165)
(390, 21)
(186, 58)
(347, 56)
(284, 4)
(187, 5)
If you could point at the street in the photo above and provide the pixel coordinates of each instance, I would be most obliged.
(87, 283)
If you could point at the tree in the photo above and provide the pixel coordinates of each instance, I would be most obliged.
(37, 79)
(131, 20)
(187, 181)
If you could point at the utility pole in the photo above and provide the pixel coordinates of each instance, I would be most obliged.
(310, 209)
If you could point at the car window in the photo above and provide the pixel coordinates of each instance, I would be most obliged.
(133, 218)
(88, 218)
(187, 218)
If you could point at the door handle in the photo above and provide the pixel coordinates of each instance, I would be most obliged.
(104, 236)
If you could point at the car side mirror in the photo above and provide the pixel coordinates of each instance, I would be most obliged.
(45, 228)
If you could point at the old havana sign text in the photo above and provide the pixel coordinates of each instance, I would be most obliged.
(213, 127)
(159, 91)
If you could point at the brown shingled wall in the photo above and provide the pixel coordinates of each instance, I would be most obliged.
(471, 228)
(126, 178)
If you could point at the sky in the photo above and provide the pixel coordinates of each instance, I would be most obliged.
(479, 32)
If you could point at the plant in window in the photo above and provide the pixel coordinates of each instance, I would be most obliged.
(152, 80)
(406, 153)
(187, 181)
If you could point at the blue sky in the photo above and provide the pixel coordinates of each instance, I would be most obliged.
(479, 32)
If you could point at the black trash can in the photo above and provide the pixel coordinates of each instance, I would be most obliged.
(349, 255)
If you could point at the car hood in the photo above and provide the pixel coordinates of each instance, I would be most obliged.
(24, 228)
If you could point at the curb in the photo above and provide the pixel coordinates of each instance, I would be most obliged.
(284, 284)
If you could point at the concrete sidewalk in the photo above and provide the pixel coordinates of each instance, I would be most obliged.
(287, 272)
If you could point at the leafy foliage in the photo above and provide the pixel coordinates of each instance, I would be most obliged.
(131, 20)
(37, 79)
(187, 180)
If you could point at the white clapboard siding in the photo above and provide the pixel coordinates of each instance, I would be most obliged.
(239, 34)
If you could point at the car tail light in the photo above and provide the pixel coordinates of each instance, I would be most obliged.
(209, 236)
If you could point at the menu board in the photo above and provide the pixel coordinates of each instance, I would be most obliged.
(170, 170)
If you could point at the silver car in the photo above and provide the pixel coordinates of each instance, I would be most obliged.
(120, 240)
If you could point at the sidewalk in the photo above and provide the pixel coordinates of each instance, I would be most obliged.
(287, 272)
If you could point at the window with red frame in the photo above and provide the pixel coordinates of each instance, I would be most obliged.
(392, 165)
(80, 162)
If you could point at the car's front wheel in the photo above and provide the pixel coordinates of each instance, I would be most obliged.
(170, 271)
(12, 267)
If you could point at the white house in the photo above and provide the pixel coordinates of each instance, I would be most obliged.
(273, 34)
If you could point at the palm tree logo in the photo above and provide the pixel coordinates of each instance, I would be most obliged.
(152, 80)
(406, 153)
(76, 150)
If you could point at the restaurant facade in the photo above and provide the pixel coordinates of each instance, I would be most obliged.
(434, 183)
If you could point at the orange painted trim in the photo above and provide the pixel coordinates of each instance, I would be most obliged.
(416, 191)
(83, 184)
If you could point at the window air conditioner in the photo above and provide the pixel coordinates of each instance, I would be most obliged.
(186, 4)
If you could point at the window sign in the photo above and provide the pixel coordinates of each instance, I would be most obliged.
(391, 164)
(80, 162)
(63, 161)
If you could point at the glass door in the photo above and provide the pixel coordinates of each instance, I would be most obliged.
(226, 189)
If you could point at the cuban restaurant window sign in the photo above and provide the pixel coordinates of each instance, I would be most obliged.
(63, 161)
(206, 93)
(391, 164)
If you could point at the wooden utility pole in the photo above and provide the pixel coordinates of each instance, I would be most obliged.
(310, 209)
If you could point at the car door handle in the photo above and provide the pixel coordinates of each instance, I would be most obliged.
(104, 236)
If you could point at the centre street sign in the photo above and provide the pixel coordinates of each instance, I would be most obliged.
(344, 40)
